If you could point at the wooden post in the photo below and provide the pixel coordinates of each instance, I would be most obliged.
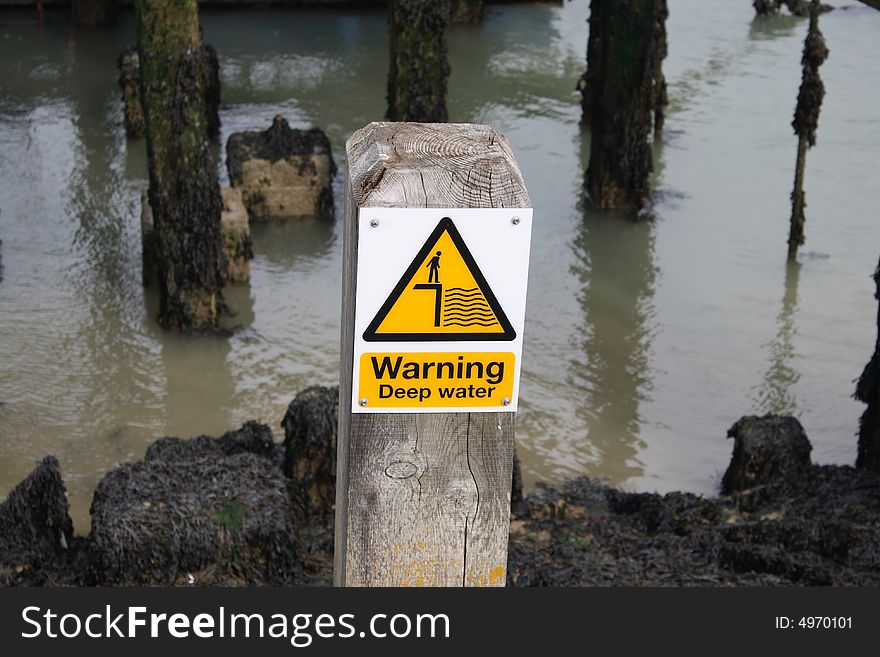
(624, 94)
(184, 189)
(422, 499)
(806, 121)
(419, 66)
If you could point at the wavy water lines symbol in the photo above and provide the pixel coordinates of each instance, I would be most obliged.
(467, 307)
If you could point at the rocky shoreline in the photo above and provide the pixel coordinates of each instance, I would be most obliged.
(244, 510)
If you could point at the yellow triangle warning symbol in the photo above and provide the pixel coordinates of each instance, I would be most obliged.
(442, 296)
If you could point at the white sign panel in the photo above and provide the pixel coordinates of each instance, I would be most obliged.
(440, 309)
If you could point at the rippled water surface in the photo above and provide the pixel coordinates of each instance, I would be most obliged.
(644, 341)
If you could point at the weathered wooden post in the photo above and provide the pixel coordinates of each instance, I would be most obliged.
(184, 189)
(437, 234)
(624, 95)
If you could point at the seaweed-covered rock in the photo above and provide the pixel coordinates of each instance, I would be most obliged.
(252, 438)
(128, 64)
(214, 509)
(310, 426)
(282, 173)
(825, 529)
(810, 525)
(766, 450)
(35, 526)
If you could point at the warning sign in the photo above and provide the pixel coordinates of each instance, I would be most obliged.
(440, 309)
(442, 295)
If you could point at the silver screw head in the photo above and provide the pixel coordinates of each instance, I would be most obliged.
(363, 401)
(515, 221)
(374, 223)
(505, 401)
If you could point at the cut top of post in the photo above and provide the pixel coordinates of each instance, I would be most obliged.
(433, 165)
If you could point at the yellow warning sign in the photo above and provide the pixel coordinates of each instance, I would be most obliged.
(442, 296)
(436, 380)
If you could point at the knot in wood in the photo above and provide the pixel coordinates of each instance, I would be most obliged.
(401, 470)
(460, 498)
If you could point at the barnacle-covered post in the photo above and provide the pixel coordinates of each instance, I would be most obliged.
(806, 120)
(184, 190)
(624, 97)
(868, 391)
(796, 7)
(128, 64)
(419, 65)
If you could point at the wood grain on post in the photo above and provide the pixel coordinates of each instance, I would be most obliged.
(422, 499)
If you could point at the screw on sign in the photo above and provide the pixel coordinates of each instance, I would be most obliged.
(433, 315)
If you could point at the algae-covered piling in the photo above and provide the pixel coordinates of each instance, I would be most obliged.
(128, 64)
(796, 7)
(419, 65)
(624, 95)
(184, 189)
(806, 120)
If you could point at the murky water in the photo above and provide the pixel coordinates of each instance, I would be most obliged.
(644, 341)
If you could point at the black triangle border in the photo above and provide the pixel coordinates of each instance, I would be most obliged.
(445, 224)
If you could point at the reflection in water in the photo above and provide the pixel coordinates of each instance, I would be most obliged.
(240, 301)
(774, 26)
(115, 364)
(616, 269)
(98, 196)
(286, 244)
(532, 77)
(190, 390)
(775, 394)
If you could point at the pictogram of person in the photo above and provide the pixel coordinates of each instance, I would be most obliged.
(434, 268)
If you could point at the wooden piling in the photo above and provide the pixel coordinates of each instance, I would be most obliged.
(419, 65)
(806, 122)
(423, 499)
(624, 96)
(184, 189)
